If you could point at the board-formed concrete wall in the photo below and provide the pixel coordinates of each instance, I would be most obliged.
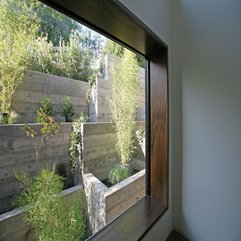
(99, 153)
(105, 204)
(35, 85)
(99, 110)
(17, 153)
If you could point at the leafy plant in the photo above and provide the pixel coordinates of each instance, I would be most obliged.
(118, 50)
(46, 105)
(124, 103)
(89, 88)
(75, 141)
(2, 121)
(118, 173)
(8, 118)
(67, 109)
(12, 117)
(49, 128)
(52, 218)
(16, 33)
(141, 135)
(41, 54)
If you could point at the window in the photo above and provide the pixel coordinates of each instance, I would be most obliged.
(114, 20)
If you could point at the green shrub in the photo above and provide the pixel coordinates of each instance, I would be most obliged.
(46, 105)
(16, 34)
(67, 109)
(118, 173)
(41, 54)
(52, 218)
(124, 103)
(67, 59)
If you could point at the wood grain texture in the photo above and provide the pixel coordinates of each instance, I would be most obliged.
(112, 19)
(159, 127)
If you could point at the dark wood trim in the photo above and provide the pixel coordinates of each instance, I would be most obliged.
(112, 19)
(115, 21)
(132, 225)
(159, 127)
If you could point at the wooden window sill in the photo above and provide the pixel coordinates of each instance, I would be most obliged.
(134, 223)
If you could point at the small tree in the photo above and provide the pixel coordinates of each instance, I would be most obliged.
(49, 128)
(124, 103)
(16, 33)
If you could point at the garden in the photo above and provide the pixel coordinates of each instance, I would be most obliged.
(72, 126)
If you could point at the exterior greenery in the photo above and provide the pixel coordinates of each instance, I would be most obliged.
(51, 218)
(118, 174)
(16, 34)
(49, 128)
(67, 59)
(24, 46)
(118, 50)
(124, 103)
(67, 109)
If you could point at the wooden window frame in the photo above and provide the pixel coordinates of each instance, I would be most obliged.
(112, 19)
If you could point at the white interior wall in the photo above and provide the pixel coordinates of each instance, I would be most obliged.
(207, 60)
(156, 14)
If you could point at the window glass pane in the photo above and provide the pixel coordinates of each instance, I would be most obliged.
(79, 162)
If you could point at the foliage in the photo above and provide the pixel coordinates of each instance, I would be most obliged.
(49, 128)
(71, 61)
(118, 50)
(41, 54)
(12, 117)
(118, 173)
(8, 118)
(90, 40)
(16, 33)
(89, 88)
(67, 59)
(114, 48)
(46, 106)
(51, 218)
(124, 103)
(55, 25)
(75, 141)
(67, 109)
(2, 119)
(141, 135)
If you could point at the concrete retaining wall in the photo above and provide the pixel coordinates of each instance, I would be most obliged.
(17, 153)
(99, 110)
(105, 204)
(99, 148)
(35, 85)
(12, 225)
